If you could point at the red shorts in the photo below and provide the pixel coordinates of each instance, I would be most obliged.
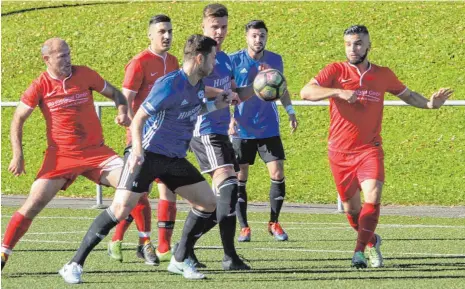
(90, 163)
(350, 169)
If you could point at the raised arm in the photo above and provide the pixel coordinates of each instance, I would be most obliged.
(220, 101)
(20, 116)
(417, 100)
(121, 104)
(314, 92)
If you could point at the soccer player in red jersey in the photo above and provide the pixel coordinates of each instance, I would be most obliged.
(141, 73)
(355, 90)
(74, 134)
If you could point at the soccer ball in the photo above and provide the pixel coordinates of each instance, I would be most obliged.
(269, 85)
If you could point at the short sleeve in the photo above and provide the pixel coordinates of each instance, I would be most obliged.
(32, 96)
(159, 98)
(133, 76)
(394, 85)
(96, 82)
(327, 76)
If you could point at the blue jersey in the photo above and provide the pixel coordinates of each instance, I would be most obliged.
(173, 105)
(256, 119)
(217, 121)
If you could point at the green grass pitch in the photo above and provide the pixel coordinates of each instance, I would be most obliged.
(421, 41)
(419, 253)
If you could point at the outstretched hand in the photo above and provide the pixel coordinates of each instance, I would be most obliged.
(439, 98)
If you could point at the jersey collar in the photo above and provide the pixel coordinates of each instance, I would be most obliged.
(156, 54)
(56, 78)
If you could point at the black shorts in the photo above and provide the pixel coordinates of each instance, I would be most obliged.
(213, 151)
(270, 149)
(173, 172)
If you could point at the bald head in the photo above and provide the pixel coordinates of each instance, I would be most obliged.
(53, 45)
(56, 54)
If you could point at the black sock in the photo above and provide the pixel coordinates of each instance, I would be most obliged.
(194, 225)
(277, 194)
(210, 223)
(241, 206)
(225, 214)
(97, 231)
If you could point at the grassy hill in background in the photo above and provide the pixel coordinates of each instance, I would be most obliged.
(421, 41)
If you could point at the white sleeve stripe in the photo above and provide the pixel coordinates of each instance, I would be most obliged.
(124, 88)
(402, 91)
(26, 105)
(105, 86)
(317, 83)
(146, 111)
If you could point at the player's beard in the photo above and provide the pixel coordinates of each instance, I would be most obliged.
(360, 60)
(203, 71)
(258, 51)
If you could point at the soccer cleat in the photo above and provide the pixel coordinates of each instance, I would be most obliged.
(71, 273)
(115, 251)
(147, 252)
(4, 259)
(359, 261)
(191, 256)
(235, 263)
(275, 229)
(374, 253)
(244, 235)
(186, 269)
(163, 257)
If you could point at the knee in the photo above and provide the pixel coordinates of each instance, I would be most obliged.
(31, 211)
(121, 211)
(208, 207)
(352, 211)
(223, 173)
(277, 173)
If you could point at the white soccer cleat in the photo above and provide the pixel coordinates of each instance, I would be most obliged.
(186, 269)
(374, 254)
(71, 273)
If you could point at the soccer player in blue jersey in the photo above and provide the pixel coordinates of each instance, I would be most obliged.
(161, 131)
(211, 144)
(255, 128)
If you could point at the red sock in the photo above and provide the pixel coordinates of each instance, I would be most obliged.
(143, 216)
(353, 220)
(121, 229)
(166, 219)
(16, 229)
(367, 224)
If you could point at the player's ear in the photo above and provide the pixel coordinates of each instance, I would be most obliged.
(45, 58)
(199, 59)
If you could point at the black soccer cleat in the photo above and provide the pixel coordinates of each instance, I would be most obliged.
(235, 263)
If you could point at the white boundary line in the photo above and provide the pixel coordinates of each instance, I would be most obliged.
(290, 223)
(268, 249)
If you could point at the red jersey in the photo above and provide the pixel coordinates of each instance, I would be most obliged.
(356, 126)
(68, 108)
(142, 72)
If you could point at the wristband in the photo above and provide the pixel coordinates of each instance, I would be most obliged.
(211, 106)
(290, 109)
